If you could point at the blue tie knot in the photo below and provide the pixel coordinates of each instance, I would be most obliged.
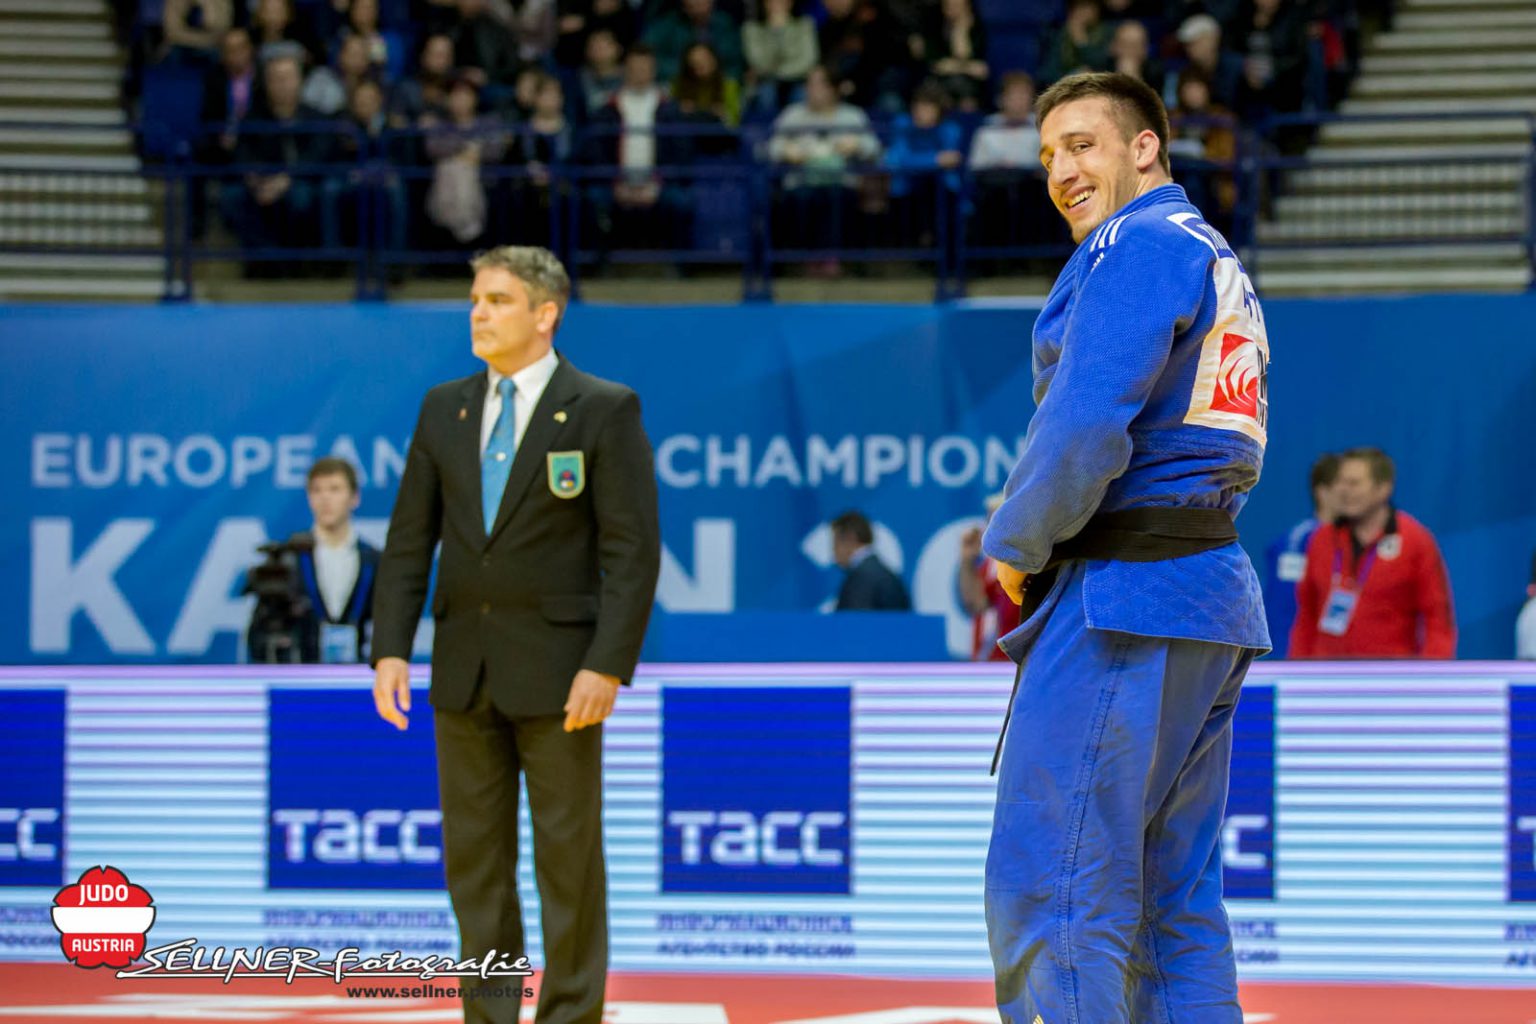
(505, 387)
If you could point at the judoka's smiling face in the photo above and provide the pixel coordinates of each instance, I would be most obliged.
(1094, 165)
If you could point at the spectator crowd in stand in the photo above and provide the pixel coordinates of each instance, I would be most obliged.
(867, 107)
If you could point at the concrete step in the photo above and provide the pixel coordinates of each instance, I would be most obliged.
(1475, 18)
(1498, 254)
(75, 213)
(1461, 5)
(83, 139)
(1426, 63)
(1483, 106)
(29, 28)
(1445, 84)
(55, 8)
(58, 164)
(97, 235)
(59, 263)
(104, 50)
(1363, 153)
(91, 117)
(34, 91)
(36, 288)
(1394, 280)
(1480, 202)
(27, 70)
(1449, 40)
(1430, 130)
(1392, 228)
(1410, 178)
(79, 187)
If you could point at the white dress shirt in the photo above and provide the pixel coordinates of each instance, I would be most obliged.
(336, 569)
(1525, 632)
(530, 382)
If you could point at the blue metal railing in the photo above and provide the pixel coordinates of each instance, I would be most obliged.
(329, 198)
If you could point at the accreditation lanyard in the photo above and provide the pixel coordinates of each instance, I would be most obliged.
(1344, 593)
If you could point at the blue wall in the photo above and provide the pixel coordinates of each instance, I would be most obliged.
(147, 449)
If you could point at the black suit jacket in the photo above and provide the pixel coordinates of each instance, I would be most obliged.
(561, 583)
(871, 586)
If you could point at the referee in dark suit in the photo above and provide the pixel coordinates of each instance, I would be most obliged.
(538, 481)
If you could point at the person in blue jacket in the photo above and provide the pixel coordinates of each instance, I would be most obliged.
(1286, 557)
(1142, 612)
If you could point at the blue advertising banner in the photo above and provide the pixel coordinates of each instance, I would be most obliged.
(352, 803)
(32, 787)
(148, 451)
(1248, 830)
(1522, 794)
(755, 789)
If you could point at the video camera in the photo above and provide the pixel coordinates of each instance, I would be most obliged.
(282, 606)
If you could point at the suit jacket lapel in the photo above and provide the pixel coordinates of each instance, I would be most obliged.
(466, 435)
(542, 430)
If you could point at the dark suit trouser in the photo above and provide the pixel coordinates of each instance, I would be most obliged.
(480, 753)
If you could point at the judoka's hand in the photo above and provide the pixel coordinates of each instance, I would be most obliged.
(591, 699)
(1013, 582)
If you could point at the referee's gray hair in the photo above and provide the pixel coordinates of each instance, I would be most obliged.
(539, 269)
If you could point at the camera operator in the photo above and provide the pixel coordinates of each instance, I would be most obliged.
(315, 590)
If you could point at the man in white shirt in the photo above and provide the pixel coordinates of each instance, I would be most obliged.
(1009, 139)
(1011, 205)
(635, 135)
(336, 570)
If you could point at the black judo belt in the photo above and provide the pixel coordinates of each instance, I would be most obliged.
(1131, 535)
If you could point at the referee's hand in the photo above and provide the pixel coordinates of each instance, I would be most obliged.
(1013, 582)
(392, 690)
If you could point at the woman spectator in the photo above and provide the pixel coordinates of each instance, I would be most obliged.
(781, 49)
(1081, 45)
(545, 142)
(924, 155)
(328, 89)
(426, 91)
(546, 139)
(351, 194)
(866, 50)
(703, 92)
(956, 49)
(533, 22)
(578, 20)
(276, 32)
(1130, 52)
(820, 143)
(459, 146)
(602, 73)
(1203, 146)
(194, 30)
(1271, 37)
(386, 49)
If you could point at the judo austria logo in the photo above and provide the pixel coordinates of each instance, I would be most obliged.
(102, 919)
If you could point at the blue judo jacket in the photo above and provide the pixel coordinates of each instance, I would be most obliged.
(1150, 377)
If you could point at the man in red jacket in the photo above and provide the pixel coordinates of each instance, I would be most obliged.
(1375, 584)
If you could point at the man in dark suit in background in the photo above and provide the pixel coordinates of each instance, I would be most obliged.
(538, 480)
(870, 585)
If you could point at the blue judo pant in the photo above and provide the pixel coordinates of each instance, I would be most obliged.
(1103, 880)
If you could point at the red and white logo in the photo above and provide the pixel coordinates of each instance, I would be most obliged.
(1239, 376)
(1231, 385)
(102, 919)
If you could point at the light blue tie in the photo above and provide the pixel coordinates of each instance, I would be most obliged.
(496, 463)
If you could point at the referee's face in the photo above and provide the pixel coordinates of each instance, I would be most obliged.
(509, 332)
(1092, 168)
